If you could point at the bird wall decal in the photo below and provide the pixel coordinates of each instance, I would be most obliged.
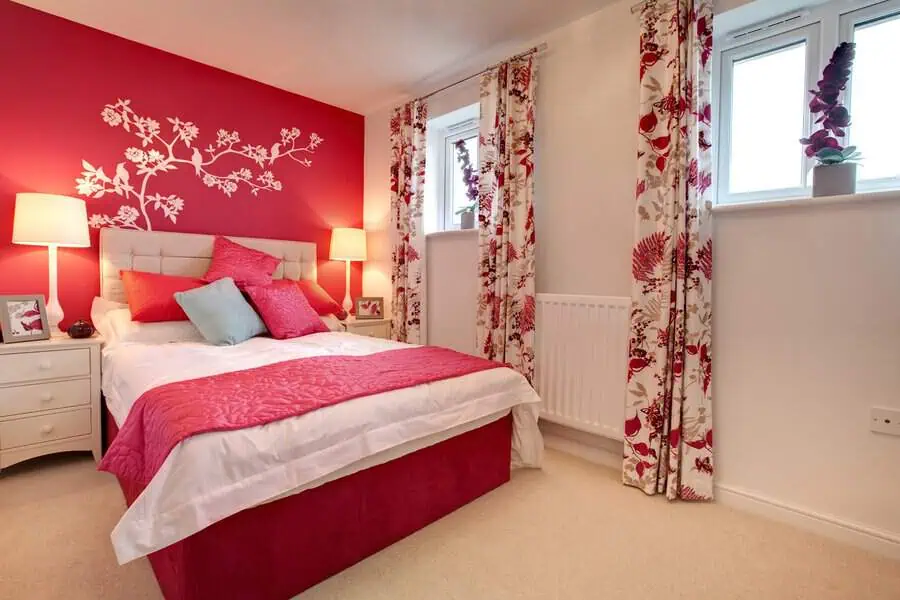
(197, 161)
(158, 154)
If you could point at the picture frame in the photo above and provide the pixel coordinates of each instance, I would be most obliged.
(368, 307)
(23, 319)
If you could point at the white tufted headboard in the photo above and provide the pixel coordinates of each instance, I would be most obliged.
(186, 254)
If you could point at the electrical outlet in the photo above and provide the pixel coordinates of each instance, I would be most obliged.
(885, 420)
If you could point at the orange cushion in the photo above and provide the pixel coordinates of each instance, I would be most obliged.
(320, 300)
(151, 295)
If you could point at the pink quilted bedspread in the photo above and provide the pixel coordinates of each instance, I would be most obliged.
(171, 413)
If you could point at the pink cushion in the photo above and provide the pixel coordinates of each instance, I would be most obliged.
(245, 265)
(285, 310)
(151, 295)
(320, 300)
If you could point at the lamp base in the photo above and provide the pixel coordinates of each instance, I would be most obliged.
(348, 301)
(54, 310)
(54, 314)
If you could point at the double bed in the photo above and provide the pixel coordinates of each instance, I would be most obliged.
(270, 510)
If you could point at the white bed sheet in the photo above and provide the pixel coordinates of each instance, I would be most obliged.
(211, 476)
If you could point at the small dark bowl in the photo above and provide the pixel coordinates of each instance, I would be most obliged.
(80, 329)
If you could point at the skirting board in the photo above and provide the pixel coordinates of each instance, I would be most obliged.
(590, 447)
(598, 456)
(874, 540)
(605, 452)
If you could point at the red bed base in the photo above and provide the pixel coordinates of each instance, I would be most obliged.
(277, 550)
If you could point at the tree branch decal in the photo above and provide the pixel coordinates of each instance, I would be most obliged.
(159, 154)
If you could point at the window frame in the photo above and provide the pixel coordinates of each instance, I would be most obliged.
(806, 34)
(447, 186)
(443, 132)
(848, 21)
(822, 28)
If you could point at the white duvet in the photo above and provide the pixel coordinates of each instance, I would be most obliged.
(211, 476)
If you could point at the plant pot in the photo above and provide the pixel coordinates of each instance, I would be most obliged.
(467, 220)
(834, 180)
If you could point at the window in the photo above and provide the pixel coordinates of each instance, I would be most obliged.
(446, 190)
(874, 88)
(455, 189)
(764, 73)
(768, 102)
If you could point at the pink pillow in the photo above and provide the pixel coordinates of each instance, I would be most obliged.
(319, 299)
(151, 295)
(245, 265)
(285, 310)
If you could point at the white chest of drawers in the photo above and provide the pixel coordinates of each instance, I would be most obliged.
(49, 398)
(379, 328)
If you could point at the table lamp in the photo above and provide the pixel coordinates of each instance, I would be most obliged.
(348, 244)
(52, 221)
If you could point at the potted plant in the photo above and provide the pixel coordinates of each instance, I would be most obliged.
(467, 216)
(835, 171)
(470, 179)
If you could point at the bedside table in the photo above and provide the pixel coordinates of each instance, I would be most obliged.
(379, 328)
(49, 398)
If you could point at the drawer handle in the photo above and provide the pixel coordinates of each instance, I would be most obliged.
(46, 397)
(45, 365)
(47, 429)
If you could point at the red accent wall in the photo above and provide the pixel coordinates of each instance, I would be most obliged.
(57, 76)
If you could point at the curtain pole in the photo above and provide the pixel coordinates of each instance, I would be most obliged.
(536, 49)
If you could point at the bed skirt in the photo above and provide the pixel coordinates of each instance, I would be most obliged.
(277, 550)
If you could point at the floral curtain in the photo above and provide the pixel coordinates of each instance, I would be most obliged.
(506, 306)
(668, 421)
(408, 128)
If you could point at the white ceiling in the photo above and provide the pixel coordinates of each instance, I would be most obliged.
(357, 54)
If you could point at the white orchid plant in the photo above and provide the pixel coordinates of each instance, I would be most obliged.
(159, 154)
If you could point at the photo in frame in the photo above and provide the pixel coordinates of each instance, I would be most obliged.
(23, 319)
(369, 307)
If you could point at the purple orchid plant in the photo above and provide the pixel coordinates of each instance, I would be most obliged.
(833, 115)
(470, 177)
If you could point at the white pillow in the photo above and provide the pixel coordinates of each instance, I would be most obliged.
(113, 321)
(163, 332)
(100, 310)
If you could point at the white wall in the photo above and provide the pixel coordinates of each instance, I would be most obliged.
(806, 339)
(806, 299)
(585, 147)
(452, 290)
(727, 5)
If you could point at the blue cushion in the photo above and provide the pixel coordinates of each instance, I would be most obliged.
(220, 312)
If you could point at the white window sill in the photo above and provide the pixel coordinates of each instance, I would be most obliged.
(864, 197)
(451, 233)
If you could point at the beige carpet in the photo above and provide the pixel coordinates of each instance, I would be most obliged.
(570, 532)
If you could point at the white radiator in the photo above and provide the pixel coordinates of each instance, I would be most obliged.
(582, 356)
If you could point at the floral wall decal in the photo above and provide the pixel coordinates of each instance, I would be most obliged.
(160, 153)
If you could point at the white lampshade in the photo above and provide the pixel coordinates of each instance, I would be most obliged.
(348, 244)
(50, 220)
